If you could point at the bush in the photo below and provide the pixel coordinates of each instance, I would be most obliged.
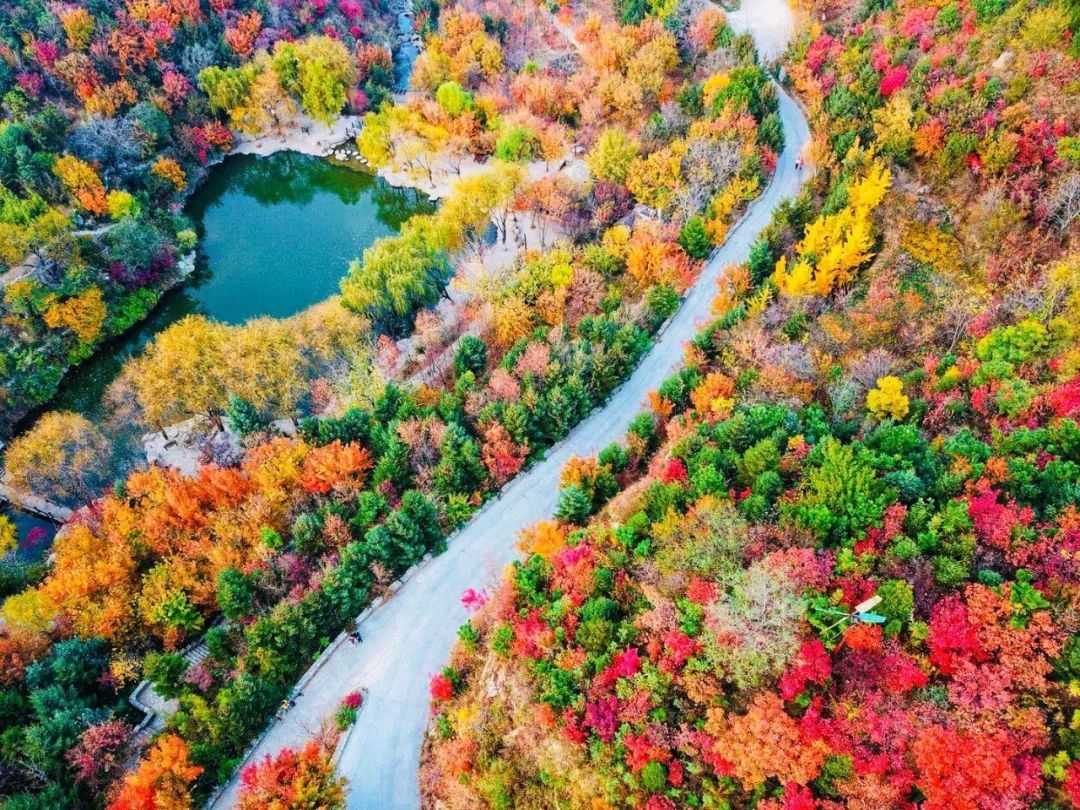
(661, 301)
(654, 777)
(244, 417)
(235, 596)
(518, 144)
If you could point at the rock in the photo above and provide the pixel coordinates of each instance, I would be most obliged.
(186, 265)
(1002, 62)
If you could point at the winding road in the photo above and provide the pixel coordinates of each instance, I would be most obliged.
(409, 638)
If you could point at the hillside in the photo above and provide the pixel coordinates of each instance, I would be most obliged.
(886, 407)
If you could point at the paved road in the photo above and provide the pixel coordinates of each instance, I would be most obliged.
(409, 639)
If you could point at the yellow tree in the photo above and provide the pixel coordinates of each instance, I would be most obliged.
(78, 26)
(478, 198)
(181, 373)
(84, 314)
(83, 183)
(263, 365)
(29, 610)
(611, 155)
(892, 127)
(266, 107)
(169, 169)
(9, 536)
(62, 457)
(325, 72)
(835, 245)
(40, 235)
(656, 178)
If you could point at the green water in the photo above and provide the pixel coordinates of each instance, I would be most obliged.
(276, 235)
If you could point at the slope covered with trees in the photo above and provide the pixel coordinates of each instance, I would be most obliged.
(287, 539)
(886, 406)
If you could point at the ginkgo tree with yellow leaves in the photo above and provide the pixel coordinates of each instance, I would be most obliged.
(834, 246)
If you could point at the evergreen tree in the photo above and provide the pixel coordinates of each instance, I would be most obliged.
(694, 240)
(243, 416)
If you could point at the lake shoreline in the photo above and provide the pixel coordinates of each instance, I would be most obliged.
(304, 136)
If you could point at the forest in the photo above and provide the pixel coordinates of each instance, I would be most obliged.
(268, 546)
(832, 564)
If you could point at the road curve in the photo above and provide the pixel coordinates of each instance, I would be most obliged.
(408, 639)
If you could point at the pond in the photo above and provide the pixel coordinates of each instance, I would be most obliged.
(34, 534)
(276, 235)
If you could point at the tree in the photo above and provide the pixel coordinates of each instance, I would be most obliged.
(479, 198)
(78, 27)
(842, 495)
(100, 751)
(9, 535)
(337, 467)
(575, 505)
(166, 670)
(235, 595)
(888, 399)
(46, 235)
(266, 106)
(180, 373)
(694, 240)
(517, 144)
(502, 457)
(460, 470)
(84, 314)
(162, 781)
(325, 71)
(398, 276)
(75, 664)
(244, 417)
(135, 243)
(62, 457)
(292, 780)
(108, 143)
(835, 245)
(453, 98)
(655, 178)
(228, 88)
(83, 182)
(264, 364)
(241, 36)
(30, 610)
(766, 742)
(611, 155)
(964, 771)
(470, 355)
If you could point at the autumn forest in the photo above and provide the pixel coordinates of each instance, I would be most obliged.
(586, 404)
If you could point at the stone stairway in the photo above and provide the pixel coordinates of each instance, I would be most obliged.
(154, 707)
